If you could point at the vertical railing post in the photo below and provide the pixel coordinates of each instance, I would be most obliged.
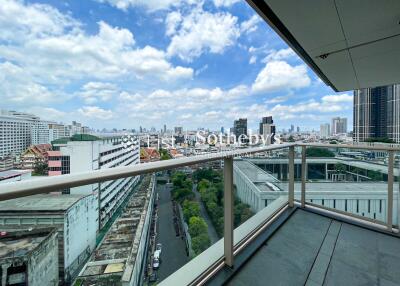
(228, 211)
(390, 191)
(291, 176)
(303, 176)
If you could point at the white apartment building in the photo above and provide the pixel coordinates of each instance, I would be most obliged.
(325, 130)
(15, 132)
(78, 156)
(339, 125)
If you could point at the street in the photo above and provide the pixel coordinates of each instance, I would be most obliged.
(173, 255)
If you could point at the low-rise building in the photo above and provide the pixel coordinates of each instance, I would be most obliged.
(33, 155)
(15, 176)
(29, 257)
(121, 257)
(149, 154)
(74, 217)
(258, 189)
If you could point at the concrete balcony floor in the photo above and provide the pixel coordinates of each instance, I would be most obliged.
(311, 249)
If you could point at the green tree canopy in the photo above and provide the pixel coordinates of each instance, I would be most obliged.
(190, 209)
(200, 243)
(319, 152)
(197, 226)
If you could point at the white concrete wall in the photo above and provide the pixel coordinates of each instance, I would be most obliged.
(80, 228)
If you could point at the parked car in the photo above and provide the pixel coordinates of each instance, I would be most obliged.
(156, 263)
(157, 254)
(158, 247)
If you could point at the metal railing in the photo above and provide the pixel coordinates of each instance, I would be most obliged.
(45, 185)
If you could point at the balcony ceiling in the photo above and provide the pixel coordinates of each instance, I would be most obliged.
(350, 44)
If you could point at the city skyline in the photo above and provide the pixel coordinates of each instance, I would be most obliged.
(60, 66)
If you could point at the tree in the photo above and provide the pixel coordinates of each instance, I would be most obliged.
(340, 168)
(40, 169)
(182, 194)
(190, 209)
(197, 226)
(291, 139)
(164, 154)
(203, 184)
(200, 243)
(319, 152)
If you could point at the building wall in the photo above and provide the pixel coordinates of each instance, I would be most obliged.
(376, 113)
(365, 203)
(77, 229)
(83, 156)
(80, 230)
(43, 263)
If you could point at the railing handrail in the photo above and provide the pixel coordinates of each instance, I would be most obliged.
(14, 190)
(56, 183)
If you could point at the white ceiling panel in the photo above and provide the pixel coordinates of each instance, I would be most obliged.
(348, 43)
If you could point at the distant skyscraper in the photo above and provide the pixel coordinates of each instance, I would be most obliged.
(291, 128)
(165, 128)
(376, 113)
(222, 130)
(339, 125)
(178, 130)
(267, 127)
(265, 120)
(325, 130)
(240, 127)
(298, 129)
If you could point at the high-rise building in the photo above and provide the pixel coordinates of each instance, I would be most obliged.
(325, 130)
(376, 113)
(268, 128)
(240, 127)
(17, 131)
(291, 128)
(91, 153)
(178, 130)
(339, 125)
(165, 128)
(298, 129)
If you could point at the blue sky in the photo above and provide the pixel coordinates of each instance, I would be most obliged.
(130, 63)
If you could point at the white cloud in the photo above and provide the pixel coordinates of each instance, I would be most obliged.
(19, 21)
(225, 3)
(52, 48)
(96, 112)
(172, 22)
(338, 98)
(279, 75)
(250, 25)
(253, 60)
(152, 5)
(201, 32)
(48, 112)
(282, 54)
(91, 92)
(16, 87)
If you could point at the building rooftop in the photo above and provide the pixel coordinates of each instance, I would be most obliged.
(18, 243)
(114, 259)
(45, 202)
(12, 173)
(253, 172)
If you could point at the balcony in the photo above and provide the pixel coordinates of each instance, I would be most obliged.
(314, 223)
